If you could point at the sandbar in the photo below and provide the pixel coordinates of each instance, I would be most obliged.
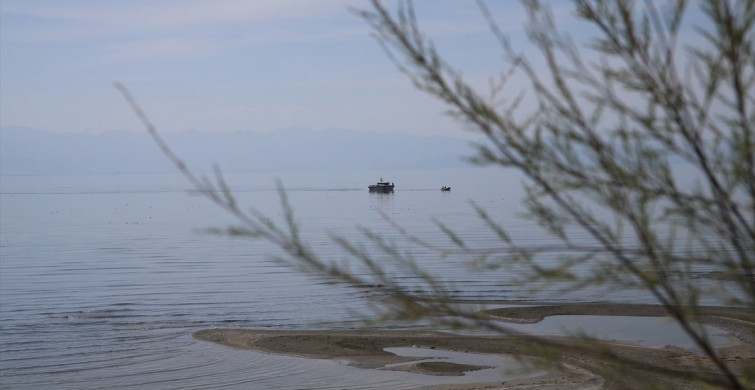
(579, 368)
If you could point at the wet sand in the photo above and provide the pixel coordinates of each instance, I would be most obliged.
(580, 367)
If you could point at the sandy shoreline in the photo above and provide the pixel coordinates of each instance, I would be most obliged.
(581, 369)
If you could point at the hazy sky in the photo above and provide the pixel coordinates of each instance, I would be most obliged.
(222, 65)
(227, 65)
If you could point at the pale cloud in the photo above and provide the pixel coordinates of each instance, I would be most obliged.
(173, 48)
(142, 30)
(166, 15)
(176, 46)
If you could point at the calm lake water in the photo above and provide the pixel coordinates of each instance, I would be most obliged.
(103, 278)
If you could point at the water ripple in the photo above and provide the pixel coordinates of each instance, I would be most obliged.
(101, 284)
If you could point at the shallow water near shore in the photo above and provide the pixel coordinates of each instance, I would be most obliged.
(103, 278)
(653, 332)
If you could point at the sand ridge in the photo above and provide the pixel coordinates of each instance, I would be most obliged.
(580, 367)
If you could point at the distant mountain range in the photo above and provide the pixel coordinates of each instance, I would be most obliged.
(26, 151)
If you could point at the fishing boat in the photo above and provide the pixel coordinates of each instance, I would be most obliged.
(444, 188)
(381, 186)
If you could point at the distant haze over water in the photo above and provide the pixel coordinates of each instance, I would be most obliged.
(26, 151)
